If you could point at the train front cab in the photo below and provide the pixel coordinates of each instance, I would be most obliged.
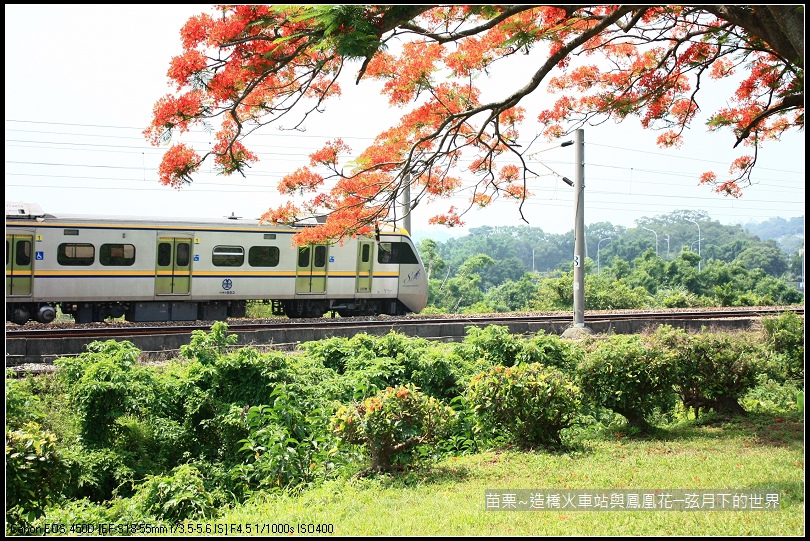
(385, 278)
(363, 277)
(410, 281)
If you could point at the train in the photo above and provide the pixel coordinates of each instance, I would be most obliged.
(164, 269)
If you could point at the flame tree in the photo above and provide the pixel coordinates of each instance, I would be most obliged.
(248, 66)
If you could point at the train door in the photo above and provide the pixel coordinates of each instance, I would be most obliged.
(364, 262)
(173, 266)
(310, 273)
(19, 265)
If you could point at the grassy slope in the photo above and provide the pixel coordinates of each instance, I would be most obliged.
(761, 452)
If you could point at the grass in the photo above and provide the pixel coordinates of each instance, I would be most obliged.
(761, 452)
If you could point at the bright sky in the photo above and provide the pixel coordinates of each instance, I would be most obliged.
(81, 81)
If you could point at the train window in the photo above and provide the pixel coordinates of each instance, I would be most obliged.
(183, 254)
(164, 257)
(396, 252)
(320, 257)
(23, 256)
(365, 253)
(384, 254)
(71, 254)
(303, 257)
(116, 255)
(263, 256)
(228, 256)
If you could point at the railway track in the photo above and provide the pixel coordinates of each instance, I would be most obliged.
(236, 325)
(33, 344)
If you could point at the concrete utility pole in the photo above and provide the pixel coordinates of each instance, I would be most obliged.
(598, 245)
(698, 241)
(656, 238)
(406, 203)
(579, 229)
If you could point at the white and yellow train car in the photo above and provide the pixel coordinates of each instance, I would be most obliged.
(158, 269)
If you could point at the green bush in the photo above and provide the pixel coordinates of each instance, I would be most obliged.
(712, 370)
(247, 376)
(391, 423)
(369, 374)
(434, 372)
(287, 444)
(624, 374)
(785, 334)
(218, 389)
(463, 435)
(529, 403)
(677, 297)
(773, 396)
(34, 474)
(72, 369)
(602, 293)
(207, 347)
(493, 345)
(368, 363)
(332, 352)
(553, 350)
(22, 405)
(87, 516)
(98, 473)
(103, 384)
(176, 497)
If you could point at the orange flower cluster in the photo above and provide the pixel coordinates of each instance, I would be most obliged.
(179, 163)
(251, 65)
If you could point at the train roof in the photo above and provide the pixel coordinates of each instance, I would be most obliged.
(17, 211)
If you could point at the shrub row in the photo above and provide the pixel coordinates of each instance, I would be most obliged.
(108, 438)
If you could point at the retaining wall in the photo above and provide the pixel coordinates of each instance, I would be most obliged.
(22, 351)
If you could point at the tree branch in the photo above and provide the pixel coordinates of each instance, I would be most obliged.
(790, 102)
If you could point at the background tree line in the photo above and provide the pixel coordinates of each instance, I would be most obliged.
(659, 263)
